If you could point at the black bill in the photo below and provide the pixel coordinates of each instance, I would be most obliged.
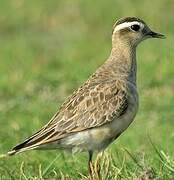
(156, 35)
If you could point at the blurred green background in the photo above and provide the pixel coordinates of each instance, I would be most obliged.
(49, 48)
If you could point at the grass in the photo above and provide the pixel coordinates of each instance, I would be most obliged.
(48, 49)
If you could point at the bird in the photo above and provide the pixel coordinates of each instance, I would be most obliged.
(100, 110)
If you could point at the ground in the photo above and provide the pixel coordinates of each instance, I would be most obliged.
(48, 49)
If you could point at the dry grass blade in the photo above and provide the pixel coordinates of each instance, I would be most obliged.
(49, 166)
(40, 172)
(8, 171)
(165, 160)
(134, 159)
(101, 170)
(168, 162)
(65, 177)
(106, 165)
(147, 173)
(155, 148)
(22, 172)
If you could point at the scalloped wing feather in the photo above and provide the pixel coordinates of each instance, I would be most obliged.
(90, 106)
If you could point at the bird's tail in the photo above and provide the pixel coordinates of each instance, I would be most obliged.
(36, 141)
(18, 149)
(15, 151)
(24, 146)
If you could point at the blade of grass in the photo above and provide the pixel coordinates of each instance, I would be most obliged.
(49, 166)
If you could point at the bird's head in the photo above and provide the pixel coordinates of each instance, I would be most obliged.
(132, 30)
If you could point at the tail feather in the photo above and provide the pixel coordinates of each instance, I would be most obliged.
(32, 142)
(17, 151)
(20, 148)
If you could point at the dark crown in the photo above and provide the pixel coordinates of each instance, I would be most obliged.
(128, 19)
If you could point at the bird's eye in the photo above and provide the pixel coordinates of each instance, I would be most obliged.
(135, 27)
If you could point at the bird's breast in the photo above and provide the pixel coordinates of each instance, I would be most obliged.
(119, 124)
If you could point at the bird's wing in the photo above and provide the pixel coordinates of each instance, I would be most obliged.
(88, 107)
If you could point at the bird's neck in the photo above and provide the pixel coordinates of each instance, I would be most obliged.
(122, 61)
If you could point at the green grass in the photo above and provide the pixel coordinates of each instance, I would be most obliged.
(48, 49)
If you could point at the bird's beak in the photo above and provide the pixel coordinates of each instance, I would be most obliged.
(155, 35)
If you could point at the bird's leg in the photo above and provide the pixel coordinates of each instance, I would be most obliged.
(90, 165)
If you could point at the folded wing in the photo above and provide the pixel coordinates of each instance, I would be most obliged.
(88, 107)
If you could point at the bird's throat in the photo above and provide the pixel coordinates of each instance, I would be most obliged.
(122, 60)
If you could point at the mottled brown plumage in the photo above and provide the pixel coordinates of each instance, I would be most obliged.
(101, 109)
(94, 104)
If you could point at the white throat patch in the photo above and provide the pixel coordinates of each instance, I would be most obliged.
(128, 24)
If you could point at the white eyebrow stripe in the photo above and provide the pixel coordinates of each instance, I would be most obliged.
(128, 24)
